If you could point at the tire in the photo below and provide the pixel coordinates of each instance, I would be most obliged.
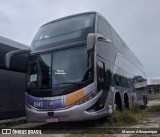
(145, 101)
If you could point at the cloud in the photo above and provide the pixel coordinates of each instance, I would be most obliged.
(136, 21)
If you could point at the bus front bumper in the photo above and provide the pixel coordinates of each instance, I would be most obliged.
(74, 113)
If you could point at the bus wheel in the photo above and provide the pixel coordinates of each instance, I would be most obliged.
(126, 101)
(118, 102)
(145, 101)
(133, 102)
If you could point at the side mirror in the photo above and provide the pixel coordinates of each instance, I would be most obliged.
(17, 60)
(92, 39)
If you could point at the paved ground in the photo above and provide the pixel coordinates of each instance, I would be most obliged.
(154, 102)
(150, 120)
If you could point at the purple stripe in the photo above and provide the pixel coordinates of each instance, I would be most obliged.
(44, 104)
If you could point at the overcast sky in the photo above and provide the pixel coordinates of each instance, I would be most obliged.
(136, 21)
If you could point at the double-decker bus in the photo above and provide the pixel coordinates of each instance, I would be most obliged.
(12, 79)
(80, 69)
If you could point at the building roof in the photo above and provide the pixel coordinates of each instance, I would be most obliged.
(140, 84)
(153, 81)
(148, 83)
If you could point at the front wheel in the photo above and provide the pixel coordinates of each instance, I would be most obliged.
(117, 105)
(145, 100)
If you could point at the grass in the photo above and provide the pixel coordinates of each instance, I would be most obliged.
(155, 108)
(13, 123)
(126, 117)
(136, 109)
(123, 118)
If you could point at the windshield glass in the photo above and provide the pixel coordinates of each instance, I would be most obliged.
(60, 67)
(39, 71)
(64, 31)
(71, 65)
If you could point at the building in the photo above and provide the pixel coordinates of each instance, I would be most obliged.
(153, 86)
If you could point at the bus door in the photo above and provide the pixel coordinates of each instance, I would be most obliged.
(102, 81)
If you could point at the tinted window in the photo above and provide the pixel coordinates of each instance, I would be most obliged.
(65, 31)
(39, 71)
(72, 65)
(117, 42)
(60, 67)
(101, 75)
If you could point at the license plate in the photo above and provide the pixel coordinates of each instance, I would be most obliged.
(52, 119)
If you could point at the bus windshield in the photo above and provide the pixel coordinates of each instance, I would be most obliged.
(60, 67)
(64, 31)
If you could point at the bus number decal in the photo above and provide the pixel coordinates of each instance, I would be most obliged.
(38, 104)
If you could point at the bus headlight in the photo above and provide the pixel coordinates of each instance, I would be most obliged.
(87, 98)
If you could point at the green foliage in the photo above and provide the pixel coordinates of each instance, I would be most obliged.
(13, 123)
(155, 108)
(127, 117)
(123, 118)
(136, 109)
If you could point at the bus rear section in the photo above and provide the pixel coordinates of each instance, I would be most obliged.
(12, 79)
(12, 89)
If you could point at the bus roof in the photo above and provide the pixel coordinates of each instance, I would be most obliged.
(66, 17)
(12, 43)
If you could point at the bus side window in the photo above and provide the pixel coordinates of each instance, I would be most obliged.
(117, 80)
(101, 75)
